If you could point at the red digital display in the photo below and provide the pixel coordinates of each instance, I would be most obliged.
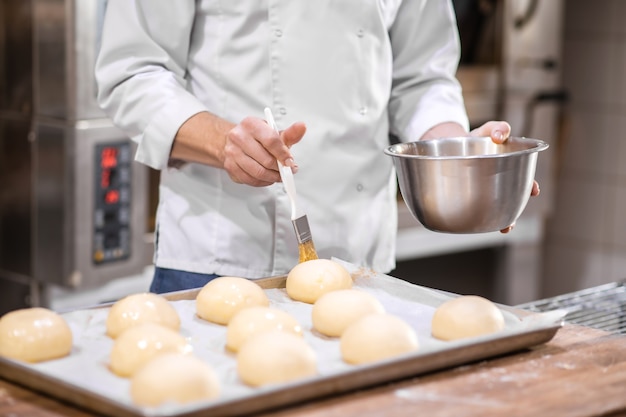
(108, 158)
(105, 179)
(112, 197)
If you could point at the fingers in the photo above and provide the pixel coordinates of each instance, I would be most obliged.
(279, 146)
(507, 229)
(535, 191)
(252, 149)
(290, 136)
(293, 134)
(498, 131)
(241, 167)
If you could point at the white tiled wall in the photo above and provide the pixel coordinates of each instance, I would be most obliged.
(586, 234)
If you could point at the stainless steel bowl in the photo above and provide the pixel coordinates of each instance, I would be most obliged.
(466, 184)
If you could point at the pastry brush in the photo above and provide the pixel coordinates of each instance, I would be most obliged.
(298, 217)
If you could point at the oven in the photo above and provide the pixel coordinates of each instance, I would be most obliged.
(75, 211)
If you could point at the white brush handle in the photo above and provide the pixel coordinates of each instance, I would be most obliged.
(285, 173)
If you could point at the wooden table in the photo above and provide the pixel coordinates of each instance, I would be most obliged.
(581, 372)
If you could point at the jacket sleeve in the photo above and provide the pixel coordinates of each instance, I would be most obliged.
(426, 48)
(140, 72)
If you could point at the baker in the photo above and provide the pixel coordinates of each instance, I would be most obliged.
(188, 81)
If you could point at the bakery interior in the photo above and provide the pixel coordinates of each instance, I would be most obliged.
(552, 69)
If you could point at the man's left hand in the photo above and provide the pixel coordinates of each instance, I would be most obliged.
(499, 132)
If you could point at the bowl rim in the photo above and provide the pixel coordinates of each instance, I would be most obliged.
(540, 145)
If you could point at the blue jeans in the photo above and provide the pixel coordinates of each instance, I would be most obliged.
(168, 280)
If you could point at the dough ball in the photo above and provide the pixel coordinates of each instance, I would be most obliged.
(174, 378)
(141, 308)
(309, 280)
(275, 357)
(34, 335)
(221, 298)
(375, 337)
(140, 344)
(466, 316)
(335, 311)
(253, 321)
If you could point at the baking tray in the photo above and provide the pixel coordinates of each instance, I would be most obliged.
(83, 378)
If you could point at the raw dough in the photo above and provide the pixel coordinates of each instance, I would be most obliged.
(221, 298)
(174, 378)
(34, 335)
(252, 321)
(141, 308)
(335, 311)
(309, 280)
(275, 357)
(466, 316)
(141, 343)
(375, 337)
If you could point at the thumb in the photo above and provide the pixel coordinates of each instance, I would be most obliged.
(497, 130)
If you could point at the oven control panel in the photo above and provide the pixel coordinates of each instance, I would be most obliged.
(112, 211)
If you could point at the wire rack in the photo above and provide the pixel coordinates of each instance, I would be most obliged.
(602, 307)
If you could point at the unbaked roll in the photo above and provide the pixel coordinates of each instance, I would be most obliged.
(309, 280)
(141, 308)
(466, 316)
(139, 344)
(252, 321)
(375, 337)
(34, 335)
(275, 357)
(335, 311)
(220, 299)
(174, 378)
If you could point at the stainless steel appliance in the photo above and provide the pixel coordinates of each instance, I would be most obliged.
(73, 205)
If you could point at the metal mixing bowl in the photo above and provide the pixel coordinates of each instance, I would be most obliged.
(466, 184)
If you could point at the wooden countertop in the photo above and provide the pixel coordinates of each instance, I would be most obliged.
(580, 372)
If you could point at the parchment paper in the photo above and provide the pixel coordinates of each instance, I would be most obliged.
(87, 365)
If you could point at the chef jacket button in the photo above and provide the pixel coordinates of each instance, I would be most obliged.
(363, 111)
(359, 187)
(282, 111)
(278, 33)
(360, 33)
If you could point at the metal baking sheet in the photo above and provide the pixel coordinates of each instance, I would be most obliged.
(84, 378)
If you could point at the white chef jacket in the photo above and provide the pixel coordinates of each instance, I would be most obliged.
(352, 70)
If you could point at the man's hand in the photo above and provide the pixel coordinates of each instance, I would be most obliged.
(247, 151)
(253, 147)
(500, 132)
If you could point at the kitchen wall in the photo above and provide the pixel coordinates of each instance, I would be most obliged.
(586, 234)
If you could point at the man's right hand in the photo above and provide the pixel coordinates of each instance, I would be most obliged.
(252, 148)
(248, 151)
